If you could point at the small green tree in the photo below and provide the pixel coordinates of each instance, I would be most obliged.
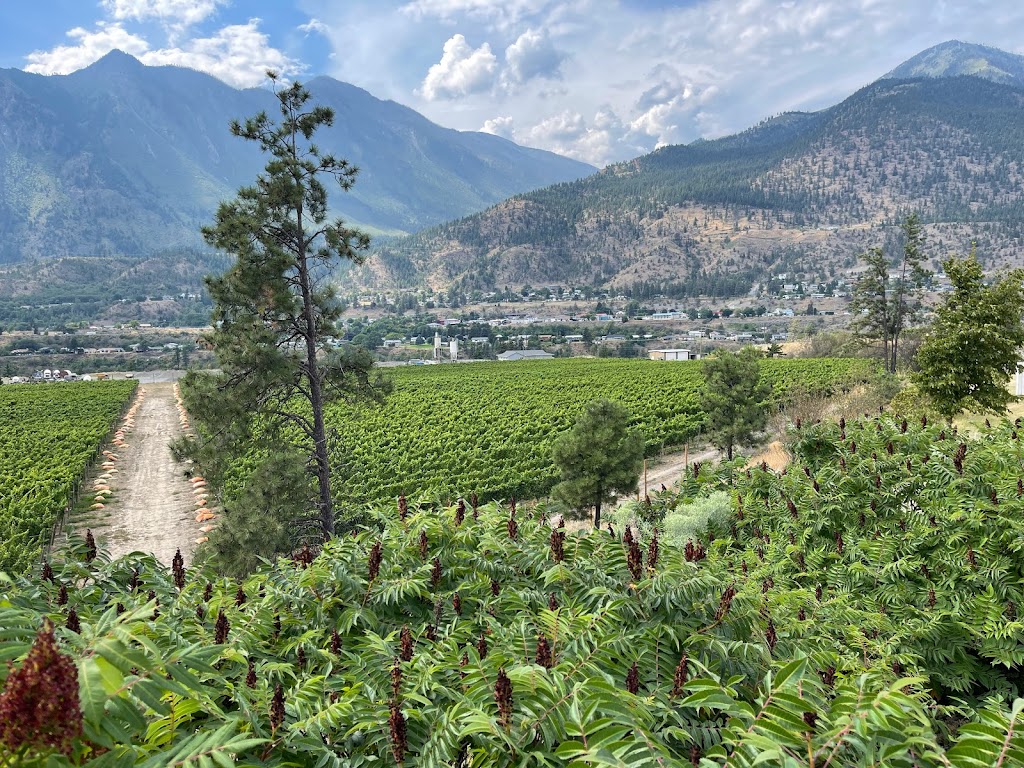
(733, 398)
(259, 522)
(275, 315)
(599, 458)
(975, 343)
(882, 306)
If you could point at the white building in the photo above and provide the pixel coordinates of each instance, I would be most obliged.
(525, 354)
(671, 354)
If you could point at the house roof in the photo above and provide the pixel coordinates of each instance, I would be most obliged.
(525, 354)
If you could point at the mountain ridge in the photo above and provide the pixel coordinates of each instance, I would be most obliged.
(121, 158)
(955, 57)
(801, 192)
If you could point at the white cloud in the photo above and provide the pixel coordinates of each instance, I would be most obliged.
(89, 47)
(601, 140)
(174, 14)
(532, 55)
(238, 54)
(666, 84)
(500, 126)
(667, 111)
(640, 73)
(314, 25)
(563, 128)
(500, 13)
(462, 71)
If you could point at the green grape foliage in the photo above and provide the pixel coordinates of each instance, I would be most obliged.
(51, 434)
(488, 428)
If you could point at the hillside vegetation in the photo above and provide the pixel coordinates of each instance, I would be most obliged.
(797, 193)
(959, 58)
(860, 609)
(121, 159)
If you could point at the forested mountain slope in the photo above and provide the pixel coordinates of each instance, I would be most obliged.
(124, 159)
(954, 58)
(799, 192)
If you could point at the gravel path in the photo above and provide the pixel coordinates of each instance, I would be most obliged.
(668, 468)
(152, 508)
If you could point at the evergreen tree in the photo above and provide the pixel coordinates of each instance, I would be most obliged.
(599, 458)
(906, 302)
(734, 398)
(974, 345)
(274, 317)
(870, 302)
(883, 306)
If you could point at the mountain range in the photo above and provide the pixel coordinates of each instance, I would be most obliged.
(800, 194)
(124, 159)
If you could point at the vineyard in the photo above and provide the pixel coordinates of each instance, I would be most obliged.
(50, 436)
(488, 427)
(859, 609)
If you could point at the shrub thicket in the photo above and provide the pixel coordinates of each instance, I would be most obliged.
(861, 609)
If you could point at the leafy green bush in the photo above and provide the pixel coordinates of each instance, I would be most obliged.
(644, 515)
(912, 403)
(860, 609)
(692, 521)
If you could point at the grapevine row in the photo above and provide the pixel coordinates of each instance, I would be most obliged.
(488, 427)
(50, 436)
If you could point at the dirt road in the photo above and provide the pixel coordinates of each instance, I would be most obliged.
(669, 467)
(152, 508)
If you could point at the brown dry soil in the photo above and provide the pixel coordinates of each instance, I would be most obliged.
(775, 456)
(668, 468)
(152, 508)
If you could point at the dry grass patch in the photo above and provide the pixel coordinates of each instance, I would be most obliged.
(775, 456)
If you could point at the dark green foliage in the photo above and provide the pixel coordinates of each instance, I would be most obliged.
(599, 458)
(974, 344)
(876, 626)
(274, 322)
(260, 522)
(734, 398)
(881, 306)
(888, 512)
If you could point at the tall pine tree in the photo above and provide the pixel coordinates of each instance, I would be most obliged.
(275, 312)
(599, 458)
(884, 304)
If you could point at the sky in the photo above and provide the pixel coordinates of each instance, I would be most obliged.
(598, 80)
